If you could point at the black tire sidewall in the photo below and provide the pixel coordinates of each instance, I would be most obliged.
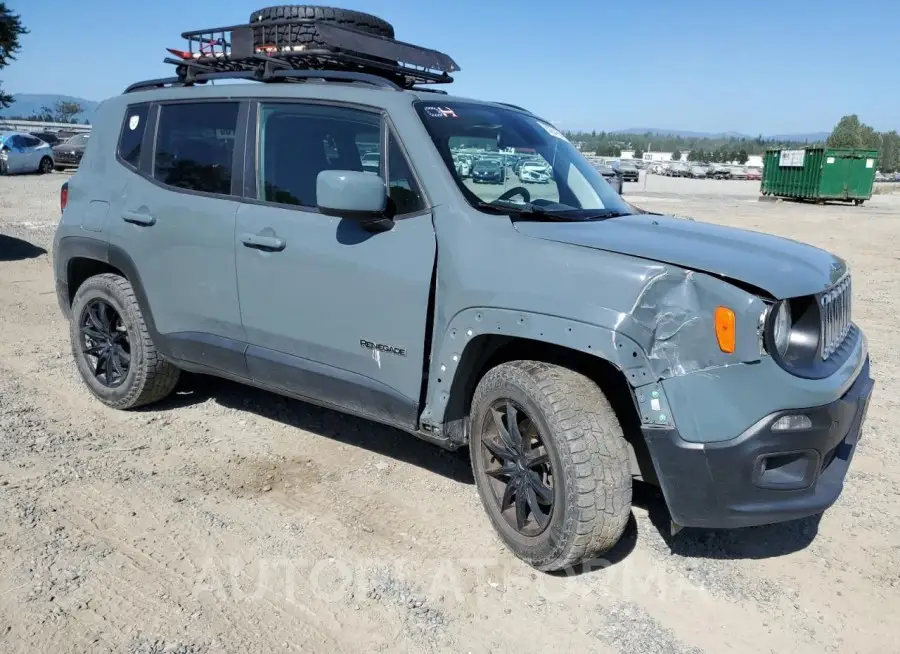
(550, 544)
(98, 288)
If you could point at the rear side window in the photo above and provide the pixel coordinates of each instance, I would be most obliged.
(195, 146)
(132, 137)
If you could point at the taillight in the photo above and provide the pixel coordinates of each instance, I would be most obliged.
(63, 197)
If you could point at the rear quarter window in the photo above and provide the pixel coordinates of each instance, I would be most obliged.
(131, 139)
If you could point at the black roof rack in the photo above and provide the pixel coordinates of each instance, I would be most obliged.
(277, 51)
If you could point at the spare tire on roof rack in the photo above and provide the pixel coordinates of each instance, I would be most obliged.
(302, 33)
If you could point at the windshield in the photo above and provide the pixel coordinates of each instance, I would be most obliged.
(571, 187)
(81, 139)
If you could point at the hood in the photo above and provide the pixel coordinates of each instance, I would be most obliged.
(779, 266)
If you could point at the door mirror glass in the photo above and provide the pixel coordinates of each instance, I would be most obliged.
(351, 194)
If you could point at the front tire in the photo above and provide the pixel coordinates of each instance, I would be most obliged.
(550, 463)
(112, 347)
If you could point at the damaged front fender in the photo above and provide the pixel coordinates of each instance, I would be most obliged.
(672, 320)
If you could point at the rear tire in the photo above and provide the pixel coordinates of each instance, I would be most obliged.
(148, 377)
(589, 476)
(46, 166)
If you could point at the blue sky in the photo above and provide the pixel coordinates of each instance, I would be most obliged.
(709, 65)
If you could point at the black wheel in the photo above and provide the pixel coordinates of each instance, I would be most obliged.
(305, 33)
(112, 348)
(46, 166)
(551, 464)
(858, 203)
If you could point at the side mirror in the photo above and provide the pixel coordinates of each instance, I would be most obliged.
(352, 195)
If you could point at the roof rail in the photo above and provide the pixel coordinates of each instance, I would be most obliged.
(276, 76)
(267, 52)
(428, 90)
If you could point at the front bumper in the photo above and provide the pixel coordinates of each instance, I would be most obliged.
(762, 477)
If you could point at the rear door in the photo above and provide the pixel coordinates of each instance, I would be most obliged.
(176, 222)
(333, 312)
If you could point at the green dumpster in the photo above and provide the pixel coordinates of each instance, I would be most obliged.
(820, 174)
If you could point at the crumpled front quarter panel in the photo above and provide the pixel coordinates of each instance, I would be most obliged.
(651, 320)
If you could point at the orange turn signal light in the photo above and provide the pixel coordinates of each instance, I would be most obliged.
(724, 321)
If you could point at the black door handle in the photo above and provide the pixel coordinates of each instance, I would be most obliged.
(258, 242)
(138, 218)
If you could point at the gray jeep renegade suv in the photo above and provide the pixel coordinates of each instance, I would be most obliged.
(571, 341)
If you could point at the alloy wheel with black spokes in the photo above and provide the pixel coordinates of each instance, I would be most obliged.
(46, 166)
(516, 460)
(105, 343)
(551, 463)
(112, 346)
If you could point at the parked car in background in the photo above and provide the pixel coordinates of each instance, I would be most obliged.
(50, 138)
(754, 174)
(697, 171)
(534, 172)
(611, 176)
(68, 154)
(626, 170)
(718, 171)
(677, 169)
(24, 153)
(738, 172)
(371, 162)
(488, 171)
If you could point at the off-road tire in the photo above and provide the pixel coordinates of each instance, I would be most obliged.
(589, 457)
(150, 378)
(305, 33)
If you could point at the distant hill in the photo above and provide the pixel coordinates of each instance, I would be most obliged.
(28, 104)
(811, 136)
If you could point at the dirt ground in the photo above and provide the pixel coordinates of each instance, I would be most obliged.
(231, 520)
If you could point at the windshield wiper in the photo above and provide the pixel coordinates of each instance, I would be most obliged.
(603, 215)
(526, 209)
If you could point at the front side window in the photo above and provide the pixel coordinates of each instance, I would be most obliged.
(131, 139)
(519, 162)
(195, 146)
(297, 142)
(403, 191)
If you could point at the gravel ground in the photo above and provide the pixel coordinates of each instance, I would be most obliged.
(232, 520)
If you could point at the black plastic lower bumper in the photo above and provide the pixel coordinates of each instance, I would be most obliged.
(762, 476)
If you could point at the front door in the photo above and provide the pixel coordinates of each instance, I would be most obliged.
(17, 159)
(332, 312)
(176, 222)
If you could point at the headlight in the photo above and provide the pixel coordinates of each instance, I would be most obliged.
(781, 328)
(775, 329)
